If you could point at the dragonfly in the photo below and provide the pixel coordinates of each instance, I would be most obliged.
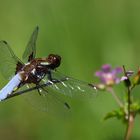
(38, 77)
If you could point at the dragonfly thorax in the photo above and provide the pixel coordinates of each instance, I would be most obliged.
(33, 72)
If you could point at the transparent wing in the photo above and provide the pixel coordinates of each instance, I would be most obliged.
(8, 61)
(30, 50)
(46, 99)
(70, 86)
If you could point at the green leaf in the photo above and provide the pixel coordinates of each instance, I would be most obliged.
(135, 107)
(119, 114)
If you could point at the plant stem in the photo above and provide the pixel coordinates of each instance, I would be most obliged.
(130, 115)
(129, 101)
(130, 120)
(129, 126)
(128, 85)
(117, 99)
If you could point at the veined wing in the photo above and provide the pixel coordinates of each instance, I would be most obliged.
(30, 50)
(9, 63)
(70, 86)
(46, 99)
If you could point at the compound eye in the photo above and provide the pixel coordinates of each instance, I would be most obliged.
(54, 60)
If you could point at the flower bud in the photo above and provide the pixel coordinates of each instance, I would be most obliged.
(136, 79)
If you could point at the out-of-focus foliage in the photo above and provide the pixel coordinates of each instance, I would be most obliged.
(87, 34)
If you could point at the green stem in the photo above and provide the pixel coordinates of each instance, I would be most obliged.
(117, 99)
(129, 101)
(130, 122)
(130, 115)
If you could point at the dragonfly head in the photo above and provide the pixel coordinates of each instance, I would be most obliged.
(54, 60)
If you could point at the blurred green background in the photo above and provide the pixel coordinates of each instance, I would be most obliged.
(87, 34)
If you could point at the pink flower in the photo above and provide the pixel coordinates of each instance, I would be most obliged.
(109, 76)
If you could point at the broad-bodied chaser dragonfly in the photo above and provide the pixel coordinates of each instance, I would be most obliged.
(38, 75)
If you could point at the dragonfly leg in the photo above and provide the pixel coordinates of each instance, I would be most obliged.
(38, 89)
(49, 75)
